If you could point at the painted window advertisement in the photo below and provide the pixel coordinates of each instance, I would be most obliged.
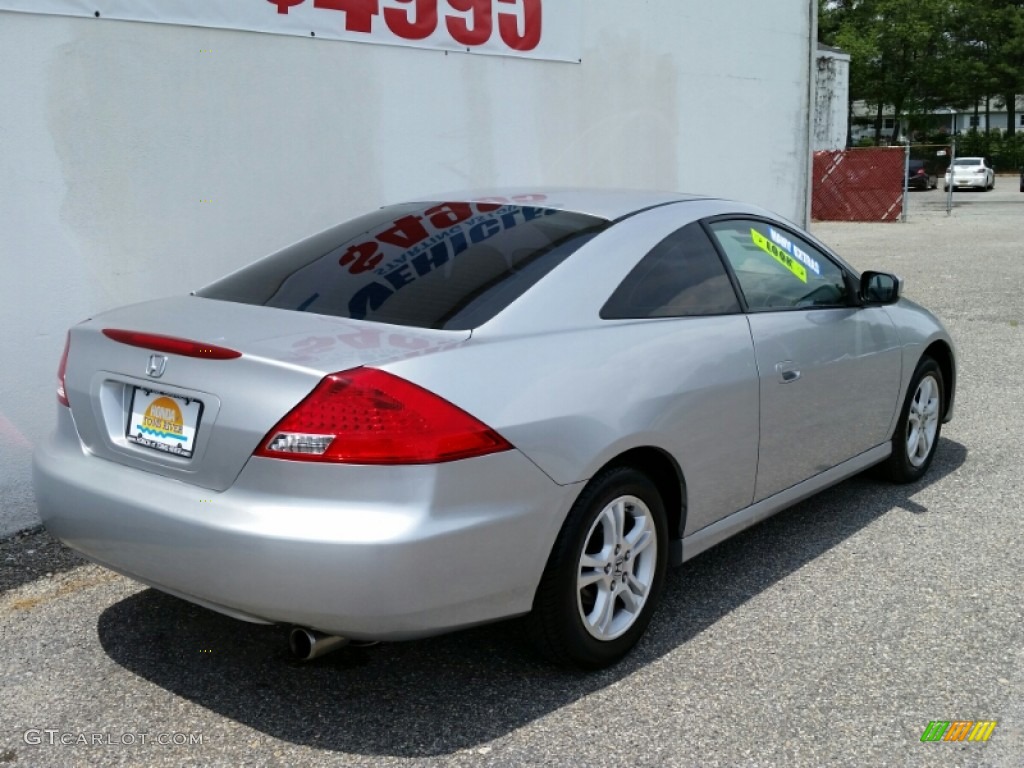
(541, 29)
(442, 265)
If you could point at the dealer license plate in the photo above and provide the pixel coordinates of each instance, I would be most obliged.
(164, 422)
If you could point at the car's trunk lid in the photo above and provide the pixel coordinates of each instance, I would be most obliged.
(198, 419)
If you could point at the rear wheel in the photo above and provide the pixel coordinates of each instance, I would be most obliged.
(605, 573)
(917, 432)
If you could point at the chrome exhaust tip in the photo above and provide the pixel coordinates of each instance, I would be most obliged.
(308, 644)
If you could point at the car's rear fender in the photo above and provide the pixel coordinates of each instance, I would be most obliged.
(574, 401)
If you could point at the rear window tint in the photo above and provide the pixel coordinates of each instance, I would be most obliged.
(439, 265)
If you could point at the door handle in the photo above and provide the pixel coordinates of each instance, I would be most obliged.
(787, 371)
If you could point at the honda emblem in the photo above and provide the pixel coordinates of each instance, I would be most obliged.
(156, 365)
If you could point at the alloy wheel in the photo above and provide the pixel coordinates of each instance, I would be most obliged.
(617, 567)
(923, 421)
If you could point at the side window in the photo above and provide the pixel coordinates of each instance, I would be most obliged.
(777, 270)
(681, 276)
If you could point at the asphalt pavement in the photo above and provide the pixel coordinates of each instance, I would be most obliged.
(830, 635)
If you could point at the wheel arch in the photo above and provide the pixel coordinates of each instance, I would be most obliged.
(667, 477)
(941, 353)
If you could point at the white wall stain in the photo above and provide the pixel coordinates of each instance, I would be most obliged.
(831, 101)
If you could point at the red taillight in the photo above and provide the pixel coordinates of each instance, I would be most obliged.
(920, 172)
(171, 345)
(367, 416)
(62, 395)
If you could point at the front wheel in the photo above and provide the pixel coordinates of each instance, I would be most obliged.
(917, 432)
(605, 573)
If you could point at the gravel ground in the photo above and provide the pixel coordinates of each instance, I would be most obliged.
(829, 635)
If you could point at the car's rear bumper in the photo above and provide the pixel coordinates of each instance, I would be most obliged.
(366, 552)
(972, 183)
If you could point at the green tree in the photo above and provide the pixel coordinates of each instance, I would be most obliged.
(917, 55)
(1002, 34)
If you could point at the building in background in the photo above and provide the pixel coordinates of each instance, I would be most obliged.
(939, 119)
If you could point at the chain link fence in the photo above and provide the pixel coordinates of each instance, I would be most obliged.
(866, 184)
(932, 160)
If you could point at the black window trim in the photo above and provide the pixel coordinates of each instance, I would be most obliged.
(850, 278)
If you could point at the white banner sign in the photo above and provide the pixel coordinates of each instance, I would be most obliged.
(538, 29)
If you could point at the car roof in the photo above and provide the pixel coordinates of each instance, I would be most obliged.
(605, 203)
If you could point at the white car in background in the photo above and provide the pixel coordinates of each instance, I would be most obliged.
(972, 172)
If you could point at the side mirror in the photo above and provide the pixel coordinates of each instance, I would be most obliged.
(880, 288)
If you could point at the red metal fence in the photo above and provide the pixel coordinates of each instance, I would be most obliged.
(858, 184)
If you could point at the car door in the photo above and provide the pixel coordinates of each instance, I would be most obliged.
(829, 371)
(692, 377)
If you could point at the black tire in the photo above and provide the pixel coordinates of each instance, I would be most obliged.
(905, 465)
(557, 625)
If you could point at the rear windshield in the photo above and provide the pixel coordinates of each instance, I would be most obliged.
(968, 161)
(429, 265)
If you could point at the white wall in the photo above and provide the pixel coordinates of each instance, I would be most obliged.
(112, 134)
(832, 94)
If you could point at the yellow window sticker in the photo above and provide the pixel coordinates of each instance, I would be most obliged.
(796, 268)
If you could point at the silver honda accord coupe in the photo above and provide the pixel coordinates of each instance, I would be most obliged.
(486, 405)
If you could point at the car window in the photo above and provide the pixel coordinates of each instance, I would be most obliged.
(778, 270)
(681, 276)
(968, 161)
(446, 265)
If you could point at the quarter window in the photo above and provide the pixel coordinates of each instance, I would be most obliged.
(681, 276)
(776, 269)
